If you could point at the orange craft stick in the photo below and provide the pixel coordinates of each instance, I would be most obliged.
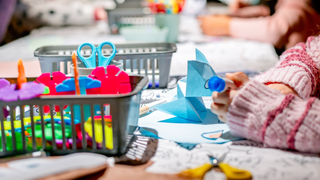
(21, 74)
(76, 73)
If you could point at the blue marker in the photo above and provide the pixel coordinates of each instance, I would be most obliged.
(220, 85)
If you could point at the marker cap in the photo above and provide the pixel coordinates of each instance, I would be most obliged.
(216, 84)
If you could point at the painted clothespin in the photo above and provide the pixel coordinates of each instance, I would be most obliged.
(111, 83)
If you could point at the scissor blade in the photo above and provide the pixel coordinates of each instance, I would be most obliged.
(221, 158)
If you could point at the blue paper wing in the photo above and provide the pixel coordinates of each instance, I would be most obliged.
(181, 108)
(198, 74)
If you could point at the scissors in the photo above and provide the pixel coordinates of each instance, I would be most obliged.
(231, 173)
(90, 62)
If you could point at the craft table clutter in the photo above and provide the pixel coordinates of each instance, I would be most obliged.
(159, 133)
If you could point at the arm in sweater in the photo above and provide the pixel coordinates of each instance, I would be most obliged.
(265, 115)
(290, 17)
(298, 68)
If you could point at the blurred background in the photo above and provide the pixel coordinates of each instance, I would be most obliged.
(37, 23)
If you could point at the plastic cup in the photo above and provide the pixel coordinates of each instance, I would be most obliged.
(172, 22)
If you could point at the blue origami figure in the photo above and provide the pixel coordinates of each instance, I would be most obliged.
(188, 103)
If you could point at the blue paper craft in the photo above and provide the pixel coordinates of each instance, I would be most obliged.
(188, 103)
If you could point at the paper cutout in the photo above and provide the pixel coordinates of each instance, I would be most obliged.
(188, 103)
(212, 135)
(184, 131)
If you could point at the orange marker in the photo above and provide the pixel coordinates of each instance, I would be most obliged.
(76, 73)
(22, 75)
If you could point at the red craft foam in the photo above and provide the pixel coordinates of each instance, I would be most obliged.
(111, 83)
(45, 78)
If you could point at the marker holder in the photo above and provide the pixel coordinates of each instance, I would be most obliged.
(119, 112)
(148, 59)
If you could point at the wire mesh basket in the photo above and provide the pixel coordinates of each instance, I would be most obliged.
(149, 59)
(92, 123)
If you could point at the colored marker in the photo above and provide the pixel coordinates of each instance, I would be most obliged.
(76, 73)
(220, 85)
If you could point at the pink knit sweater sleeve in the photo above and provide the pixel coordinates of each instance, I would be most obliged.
(299, 68)
(290, 17)
(266, 115)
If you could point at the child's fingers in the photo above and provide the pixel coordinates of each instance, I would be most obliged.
(221, 98)
(222, 118)
(239, 78)
(219, 109)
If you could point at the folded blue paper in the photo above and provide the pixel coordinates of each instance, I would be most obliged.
(188, 103)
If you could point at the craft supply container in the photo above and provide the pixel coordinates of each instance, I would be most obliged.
(124, 110)
(83, 71)
(149, 59)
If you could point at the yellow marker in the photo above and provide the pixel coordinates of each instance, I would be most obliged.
(98, 130)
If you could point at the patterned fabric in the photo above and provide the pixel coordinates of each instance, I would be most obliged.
(282, 121)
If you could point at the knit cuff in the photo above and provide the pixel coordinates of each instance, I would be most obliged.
(293, 75)
(250, 108)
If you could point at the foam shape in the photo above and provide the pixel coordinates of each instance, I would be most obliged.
(125, 86)
(84, 82)
(187, 102)
(51, 83)
(111, 83)
(4, 83)
(29, 90)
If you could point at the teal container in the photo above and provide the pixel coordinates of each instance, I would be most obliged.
(144, 33)
(172, 22)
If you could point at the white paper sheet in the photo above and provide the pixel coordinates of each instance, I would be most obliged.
(263, 163)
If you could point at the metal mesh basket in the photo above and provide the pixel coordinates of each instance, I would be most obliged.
(118, 114)
(149, 59)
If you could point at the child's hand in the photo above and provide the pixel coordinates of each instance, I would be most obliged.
(236, 5)
(284, 89)
(222, 101)
(217, 25)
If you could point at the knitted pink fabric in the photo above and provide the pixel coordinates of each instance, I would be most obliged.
(299, 68)
(266, 115)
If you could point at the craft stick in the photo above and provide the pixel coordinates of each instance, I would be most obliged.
(21, 74)
(76, 73)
